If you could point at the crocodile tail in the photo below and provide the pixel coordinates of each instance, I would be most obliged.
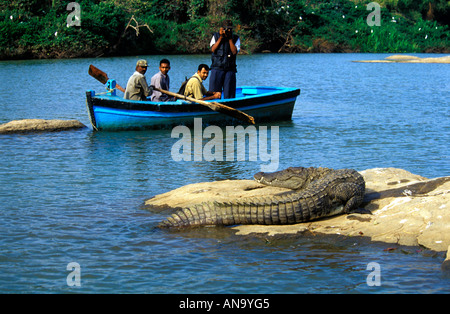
(284, 209)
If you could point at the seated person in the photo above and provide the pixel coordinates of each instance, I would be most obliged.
(195, 88)
(161, 80)
(137, 87)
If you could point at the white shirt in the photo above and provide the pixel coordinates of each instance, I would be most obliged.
(237, 44)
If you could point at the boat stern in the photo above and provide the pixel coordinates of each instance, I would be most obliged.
(90, 108)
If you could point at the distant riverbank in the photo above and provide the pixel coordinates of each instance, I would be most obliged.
(107, 28)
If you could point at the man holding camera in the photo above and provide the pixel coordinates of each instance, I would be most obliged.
(224, 47)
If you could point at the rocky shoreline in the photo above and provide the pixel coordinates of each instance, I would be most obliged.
(406, 209)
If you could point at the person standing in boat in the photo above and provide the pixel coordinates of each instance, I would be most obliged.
(194, 87)
(224, 47)
(161, 80)
(137, 87)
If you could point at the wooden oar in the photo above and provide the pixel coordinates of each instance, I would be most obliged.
(215, 106)
(102, 76)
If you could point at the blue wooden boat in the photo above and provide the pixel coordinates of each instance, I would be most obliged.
(107, 111)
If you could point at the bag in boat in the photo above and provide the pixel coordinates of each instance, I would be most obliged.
(183, 85)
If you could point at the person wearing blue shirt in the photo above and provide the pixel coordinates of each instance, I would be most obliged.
(161, 80)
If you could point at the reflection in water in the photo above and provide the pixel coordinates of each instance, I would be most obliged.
(230, 144)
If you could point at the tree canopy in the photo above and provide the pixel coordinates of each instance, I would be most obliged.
(41, 29)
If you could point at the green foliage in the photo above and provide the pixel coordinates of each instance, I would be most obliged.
(37, 29)
(342, 26)
(46, 35)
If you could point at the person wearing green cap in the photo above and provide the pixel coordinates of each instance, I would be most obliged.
(137, 87)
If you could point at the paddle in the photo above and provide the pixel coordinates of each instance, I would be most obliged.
(101, 76)
(215, 106)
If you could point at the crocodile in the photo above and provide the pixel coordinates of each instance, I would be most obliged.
(316, 193)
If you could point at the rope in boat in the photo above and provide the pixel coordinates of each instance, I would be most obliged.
(109, 91)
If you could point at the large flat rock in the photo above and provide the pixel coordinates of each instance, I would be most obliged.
(39, 125)
(220, 191)
(406, 208)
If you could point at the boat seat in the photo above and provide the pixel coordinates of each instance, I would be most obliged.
(249, 91)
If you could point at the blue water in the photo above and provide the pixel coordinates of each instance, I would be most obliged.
(77, 196)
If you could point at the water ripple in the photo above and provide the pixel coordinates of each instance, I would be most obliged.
(77, 196)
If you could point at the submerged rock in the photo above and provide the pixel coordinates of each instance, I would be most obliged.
(409, 59)
(39, 125)
(407, 209)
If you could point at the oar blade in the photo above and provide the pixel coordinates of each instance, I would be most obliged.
(98, 74)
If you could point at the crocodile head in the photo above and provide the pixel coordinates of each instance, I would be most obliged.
(292, 177)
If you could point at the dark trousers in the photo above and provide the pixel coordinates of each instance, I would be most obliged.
(223, 81)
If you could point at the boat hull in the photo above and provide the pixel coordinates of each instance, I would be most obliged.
(265, 104)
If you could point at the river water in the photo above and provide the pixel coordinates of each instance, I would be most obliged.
(77, 196)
